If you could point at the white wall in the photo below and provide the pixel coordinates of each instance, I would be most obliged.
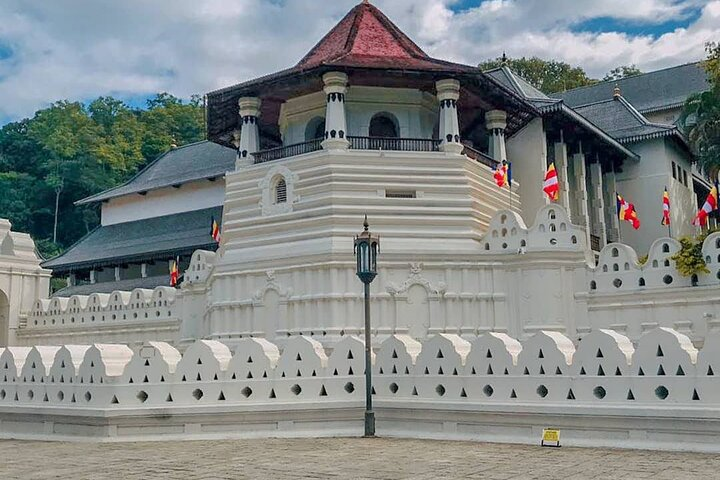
(642, 183)
(415, 111)
(527, 150)
(165, 201)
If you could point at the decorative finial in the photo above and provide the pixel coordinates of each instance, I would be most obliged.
(504, 59)
(366, 224)
(616, 91)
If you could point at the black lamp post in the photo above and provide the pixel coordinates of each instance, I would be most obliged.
(366, 250)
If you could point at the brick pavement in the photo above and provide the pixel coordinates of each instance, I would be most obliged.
(341, 458)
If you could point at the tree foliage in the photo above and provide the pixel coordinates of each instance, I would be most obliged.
(700, 119)
(81, 149)
(621, 72)
(689, 259)
(548, 76)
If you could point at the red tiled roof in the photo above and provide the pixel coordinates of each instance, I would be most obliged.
(366, 37)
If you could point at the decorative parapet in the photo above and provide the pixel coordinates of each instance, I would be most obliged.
(664, 369)
(137, 306)
(552, 231)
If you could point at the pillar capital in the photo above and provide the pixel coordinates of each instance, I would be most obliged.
(447, 89)
(496, 119)
(249, 106)
(335, 82)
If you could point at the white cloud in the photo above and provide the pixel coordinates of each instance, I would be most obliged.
(76, 49)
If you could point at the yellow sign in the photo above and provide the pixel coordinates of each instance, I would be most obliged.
(550, 438)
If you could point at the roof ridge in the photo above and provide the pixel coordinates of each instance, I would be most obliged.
(631, 108)
(600, 82)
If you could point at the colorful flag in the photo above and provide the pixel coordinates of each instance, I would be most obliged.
(666, 208)
(710, 205)
(551, 186)
(626, 211)
(174, 274)
(502, 174)
(215, 230)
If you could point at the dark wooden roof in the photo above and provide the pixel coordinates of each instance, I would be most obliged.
(373, 51)
(195, 161)
(140, 240)
(648, 92)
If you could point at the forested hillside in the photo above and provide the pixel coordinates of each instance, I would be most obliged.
(71, 150)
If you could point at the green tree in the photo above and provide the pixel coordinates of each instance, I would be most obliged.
(69, 151)
(548, 76)
(700, 119)
(621, 72)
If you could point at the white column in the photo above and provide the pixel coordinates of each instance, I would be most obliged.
(448, 92)
(561, 167)
(93, 276)
(117, 274)
(495, 122)
(71, 280)
(249, 133)
(597, 202)
(335, 123)
(611, 218)
(143, 270)
(580, 216)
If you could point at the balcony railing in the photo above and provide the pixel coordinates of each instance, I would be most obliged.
(369, 143)
(287, 151)
(395, 144)
(480, 157)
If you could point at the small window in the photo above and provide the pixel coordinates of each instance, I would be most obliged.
(674, 170)
(400, 194)
(685, 178)
(281, 191)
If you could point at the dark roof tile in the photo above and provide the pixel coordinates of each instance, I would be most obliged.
(158, 237)
(195, 161)
(648, 92)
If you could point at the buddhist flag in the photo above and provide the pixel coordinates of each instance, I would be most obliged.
(503, 175)
(666, 208)
(174, 273)
(626, 211)
(215, 230)
(710, 205)
(551, 186)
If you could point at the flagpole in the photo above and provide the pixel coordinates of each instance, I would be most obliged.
(617, 214)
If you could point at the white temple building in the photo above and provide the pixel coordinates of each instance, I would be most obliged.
(488, 302)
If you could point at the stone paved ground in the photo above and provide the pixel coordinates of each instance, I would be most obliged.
(342, 458)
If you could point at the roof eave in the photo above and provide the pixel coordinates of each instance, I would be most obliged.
(561, 107)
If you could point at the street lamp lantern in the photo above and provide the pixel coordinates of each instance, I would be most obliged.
(366, 250)
(367, 247)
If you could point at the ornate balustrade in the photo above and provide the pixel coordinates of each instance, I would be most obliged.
(479, 157)
(287, 151)
(395, 144)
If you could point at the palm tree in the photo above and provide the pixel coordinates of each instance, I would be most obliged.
(700, 119)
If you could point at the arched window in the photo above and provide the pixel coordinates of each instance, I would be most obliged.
(315, 129)
(384, 125)
(280, 191)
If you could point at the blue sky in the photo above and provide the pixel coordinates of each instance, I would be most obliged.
(65, 49)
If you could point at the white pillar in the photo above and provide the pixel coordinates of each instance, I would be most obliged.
(335, 123)
(611, 218)
(561, 167)
(249, 133)
(117, 274)
(495, 122)
(143, 270)
(448, 92)
(580, 194)
(93, 276)
(71, 280)
(597, 202)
